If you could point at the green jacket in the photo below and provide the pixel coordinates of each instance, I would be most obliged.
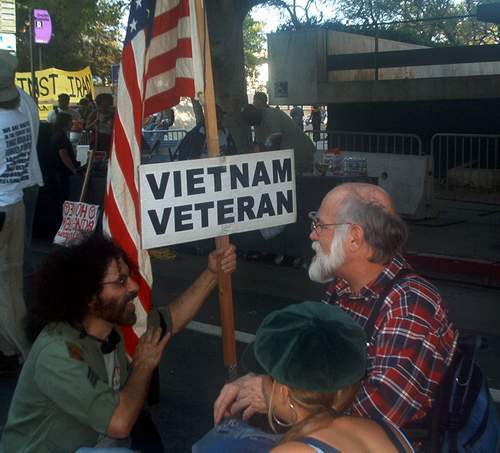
(63, 400)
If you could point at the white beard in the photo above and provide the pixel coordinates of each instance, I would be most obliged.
(323, 266)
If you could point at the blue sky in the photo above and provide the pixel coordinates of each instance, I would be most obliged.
(272, 18)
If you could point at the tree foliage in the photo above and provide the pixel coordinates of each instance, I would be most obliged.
(253, 47)
(300, 14)
(85, 32)
(415, 21)
(418, 21)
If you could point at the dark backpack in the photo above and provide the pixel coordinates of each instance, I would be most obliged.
(463, 418)
(465, 414)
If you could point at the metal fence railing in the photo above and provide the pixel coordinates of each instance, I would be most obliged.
(163, 138)
(85, 138)
(466, 166)
(160, 144)
(368, 142)
(319, 137)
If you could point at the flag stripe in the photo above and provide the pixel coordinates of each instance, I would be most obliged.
(125, 200)
(162, 7)
(128, 245)
(168, 40)
(168, 20)
(132, 117)
(156, 70)
(168, 80)
(127, 165)
(182, 87)
(123, 239)
(168, 61)
(139, 50)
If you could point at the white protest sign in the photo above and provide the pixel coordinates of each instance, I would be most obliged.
(198, 199)
(78, 219)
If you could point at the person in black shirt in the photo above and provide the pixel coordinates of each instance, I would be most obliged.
(63, 156)
(315, 120)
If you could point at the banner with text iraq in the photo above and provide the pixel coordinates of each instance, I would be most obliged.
(51, 82)
(198, 199)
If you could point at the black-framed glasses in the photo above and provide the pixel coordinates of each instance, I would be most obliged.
(318, 227)
(121, 281)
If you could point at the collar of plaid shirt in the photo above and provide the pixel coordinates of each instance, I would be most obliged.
(370, 292)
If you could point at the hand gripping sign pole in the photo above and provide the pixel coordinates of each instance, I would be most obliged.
(225, 285)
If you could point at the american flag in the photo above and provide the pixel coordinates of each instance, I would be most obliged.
(160, 63)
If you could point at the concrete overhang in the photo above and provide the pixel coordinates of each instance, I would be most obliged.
(401, 90)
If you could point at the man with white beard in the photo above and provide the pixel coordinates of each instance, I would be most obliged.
(359, 239)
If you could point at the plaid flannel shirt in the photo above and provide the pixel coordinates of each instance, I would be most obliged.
(411, 346)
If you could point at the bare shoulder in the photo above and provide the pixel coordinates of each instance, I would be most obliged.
(373, 436)
(292, 447)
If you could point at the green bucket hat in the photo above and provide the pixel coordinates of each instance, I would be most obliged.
(310, 346)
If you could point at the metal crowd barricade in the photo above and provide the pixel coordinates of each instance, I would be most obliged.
(369, 142)
(466, 167)
(85, 138)
(162, 141)
(319, 138)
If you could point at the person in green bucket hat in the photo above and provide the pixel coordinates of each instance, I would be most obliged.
(313, 357)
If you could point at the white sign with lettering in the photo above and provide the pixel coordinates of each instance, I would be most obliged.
(79, 219)
(198, 199)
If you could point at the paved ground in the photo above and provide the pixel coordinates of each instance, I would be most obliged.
(191, 371)
(259, 289)
(468, 230)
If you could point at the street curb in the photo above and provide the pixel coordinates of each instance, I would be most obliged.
(458, 269)
(453, 268)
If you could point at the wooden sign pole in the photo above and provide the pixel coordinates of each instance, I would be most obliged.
(86, 179)
(90, 162)
(225, 285)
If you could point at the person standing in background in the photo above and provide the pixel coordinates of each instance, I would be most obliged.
(102, 119)
(297, 115)
(260, 100)
(84, 109)
(30, 192)
(63, 107)
(15, 150)
(315, 120)
(276, 130)
(63, 159)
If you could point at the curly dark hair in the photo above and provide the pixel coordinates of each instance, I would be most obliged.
(68, 280)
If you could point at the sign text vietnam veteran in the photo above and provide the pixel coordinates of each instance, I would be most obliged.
(198, 199)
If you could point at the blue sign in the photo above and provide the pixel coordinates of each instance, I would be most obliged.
(115, 69)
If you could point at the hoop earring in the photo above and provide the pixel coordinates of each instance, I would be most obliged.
(271, 416)
(283, 424)
(279, 422)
